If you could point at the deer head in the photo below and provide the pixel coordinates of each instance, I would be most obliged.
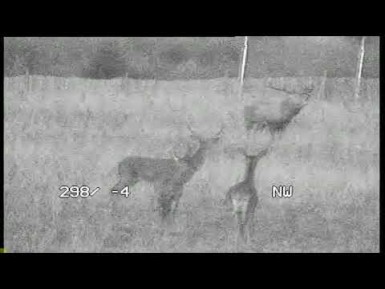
(202, 140)
(204, 143)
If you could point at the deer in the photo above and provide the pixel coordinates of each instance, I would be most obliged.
(243, 196)
(276, 115)
(168, 176)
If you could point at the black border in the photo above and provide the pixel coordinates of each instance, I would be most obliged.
(43, 25)
(2, 154)
(190, 19)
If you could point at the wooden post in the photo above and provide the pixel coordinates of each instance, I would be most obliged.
(361, 54)
(156, 65)
(242, 74)
(322, 89)
(29, 84)
(322, 94)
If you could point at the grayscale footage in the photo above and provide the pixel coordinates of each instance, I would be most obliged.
(191, 144)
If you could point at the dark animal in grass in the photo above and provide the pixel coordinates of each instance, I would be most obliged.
(275, 113)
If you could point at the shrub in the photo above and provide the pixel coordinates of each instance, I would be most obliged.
(106, 63)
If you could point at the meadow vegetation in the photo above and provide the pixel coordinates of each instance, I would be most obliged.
(72, 131)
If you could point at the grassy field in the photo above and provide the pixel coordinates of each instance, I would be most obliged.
(75, 131)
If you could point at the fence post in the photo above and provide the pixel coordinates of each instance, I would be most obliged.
(322, 89)
(242, 74)
(359, 68)
(29, 84)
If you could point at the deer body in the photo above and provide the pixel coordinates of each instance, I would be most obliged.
(244, 197)
(275, 114)
(167, 175)
(133, 169)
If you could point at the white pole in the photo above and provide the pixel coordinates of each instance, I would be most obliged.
(243, 65)
(359, 68)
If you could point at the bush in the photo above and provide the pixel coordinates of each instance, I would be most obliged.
(106, 63)
(20, 56)
(175, 55)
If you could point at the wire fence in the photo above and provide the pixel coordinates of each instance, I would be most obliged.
(332, 88)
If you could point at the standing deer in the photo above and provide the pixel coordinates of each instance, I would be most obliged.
(275, 114)
(243, 197)
(167, 175)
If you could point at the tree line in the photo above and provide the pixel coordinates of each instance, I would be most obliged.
(187, 57)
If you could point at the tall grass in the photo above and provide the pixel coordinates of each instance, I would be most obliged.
(75, 131)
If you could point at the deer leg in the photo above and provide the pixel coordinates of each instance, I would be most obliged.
(175, 202)
(165, 205)
(250, 217)
(163, 210)
(241, 237)
(227, 200)
(251, 223)
(244, 232)
(249, 226)
(115, 198)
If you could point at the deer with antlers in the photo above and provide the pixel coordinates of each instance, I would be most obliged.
(167, 175)
(276, 113)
